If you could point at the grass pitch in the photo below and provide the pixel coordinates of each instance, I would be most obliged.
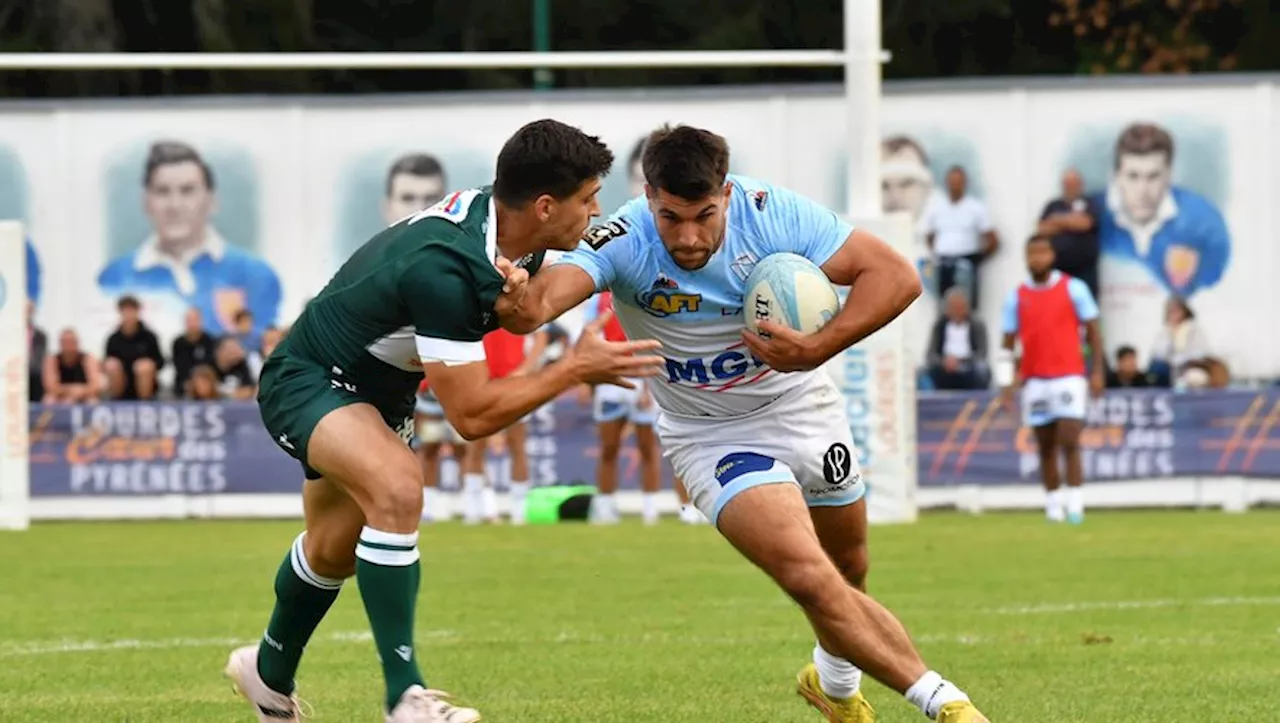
(1158, 616)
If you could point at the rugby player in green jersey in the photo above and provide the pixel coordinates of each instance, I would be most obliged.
(338, 393)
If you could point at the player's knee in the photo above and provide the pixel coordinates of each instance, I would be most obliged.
(812, 584)
(331, 551)
(1069, 446)
(609, 451)
(395, 505)
(854, 564)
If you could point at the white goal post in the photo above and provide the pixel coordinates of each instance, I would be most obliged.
(14, 448)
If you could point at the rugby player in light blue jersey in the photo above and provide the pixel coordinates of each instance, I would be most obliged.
(758, 433)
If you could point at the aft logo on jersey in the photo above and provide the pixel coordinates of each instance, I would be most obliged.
(726, 369)
(665, 298)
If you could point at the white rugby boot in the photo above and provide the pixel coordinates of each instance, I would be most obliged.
(420, 705)
(269, 705)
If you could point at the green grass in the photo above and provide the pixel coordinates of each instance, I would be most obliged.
(132, 622)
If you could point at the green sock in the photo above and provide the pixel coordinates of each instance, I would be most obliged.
(302, 599)
(388, 572)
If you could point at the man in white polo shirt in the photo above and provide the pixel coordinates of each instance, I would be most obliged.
(960, 235)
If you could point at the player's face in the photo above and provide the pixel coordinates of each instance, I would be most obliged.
(1039, 258)
(1143, 182)
(566, 220)
(905, 182)
(410, 194)
(178, 202)
(691, 230)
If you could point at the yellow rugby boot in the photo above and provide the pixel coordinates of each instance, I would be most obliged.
(836, 710)
(961, 711)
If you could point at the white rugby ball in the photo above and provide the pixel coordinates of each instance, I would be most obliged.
(790, 290)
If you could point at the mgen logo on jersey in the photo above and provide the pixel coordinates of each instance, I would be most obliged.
(727, 368)
(664, 298)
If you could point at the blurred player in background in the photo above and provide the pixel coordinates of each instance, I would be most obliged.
(1046, 314)
(752, 425)
(336, 395)
(613, 408)
(507, 356)
(433, 436)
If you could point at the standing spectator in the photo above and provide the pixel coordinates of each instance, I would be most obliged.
(71, 376)
(958, 346)
(37, 349)
(133, 357)
(1071, 222)
(1126, 375)
(203, 384)
(235, 379)
(193, 348)
(960, 235)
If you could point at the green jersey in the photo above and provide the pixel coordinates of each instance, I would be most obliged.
(420, 291)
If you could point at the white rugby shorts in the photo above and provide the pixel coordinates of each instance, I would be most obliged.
(609, 403)
(802, 438)
(1045, 401)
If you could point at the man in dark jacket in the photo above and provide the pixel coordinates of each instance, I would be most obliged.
(958, 347)
(195, 347)
(133, 357)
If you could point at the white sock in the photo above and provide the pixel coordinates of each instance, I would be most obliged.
(839, 678)
(473, 486)
(431, 504)
(649, 506)
(610, 504)
(932, 692)
(519, 491)
(1053, 504)
(1075, 501)
(489, 503)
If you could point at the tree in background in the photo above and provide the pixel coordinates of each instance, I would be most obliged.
(1148, 36)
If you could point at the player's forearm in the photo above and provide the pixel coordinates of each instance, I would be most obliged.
(500, 403)
(1094, 336)
(877, 298)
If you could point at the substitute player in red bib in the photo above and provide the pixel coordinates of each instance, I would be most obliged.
(506, 356)
(1046, 314)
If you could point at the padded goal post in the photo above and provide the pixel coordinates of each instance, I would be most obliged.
(876, 378)
(14, 471)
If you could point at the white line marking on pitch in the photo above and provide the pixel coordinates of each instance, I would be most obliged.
(1075, 607)
(11, 649)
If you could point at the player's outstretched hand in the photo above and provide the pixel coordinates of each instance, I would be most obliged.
(514, 285)
(784, 349)
(611, 362)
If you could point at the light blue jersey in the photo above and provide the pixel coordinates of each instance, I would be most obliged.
(697, 315)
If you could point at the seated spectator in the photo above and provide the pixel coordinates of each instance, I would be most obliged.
(1180, 354)
(1126, 374)
(202, 385)
(958, 346)
(235, 380)
(37, 350)
(243, 331)
(133, 357)
(195, 347)
(271, 338)
(71, 376)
